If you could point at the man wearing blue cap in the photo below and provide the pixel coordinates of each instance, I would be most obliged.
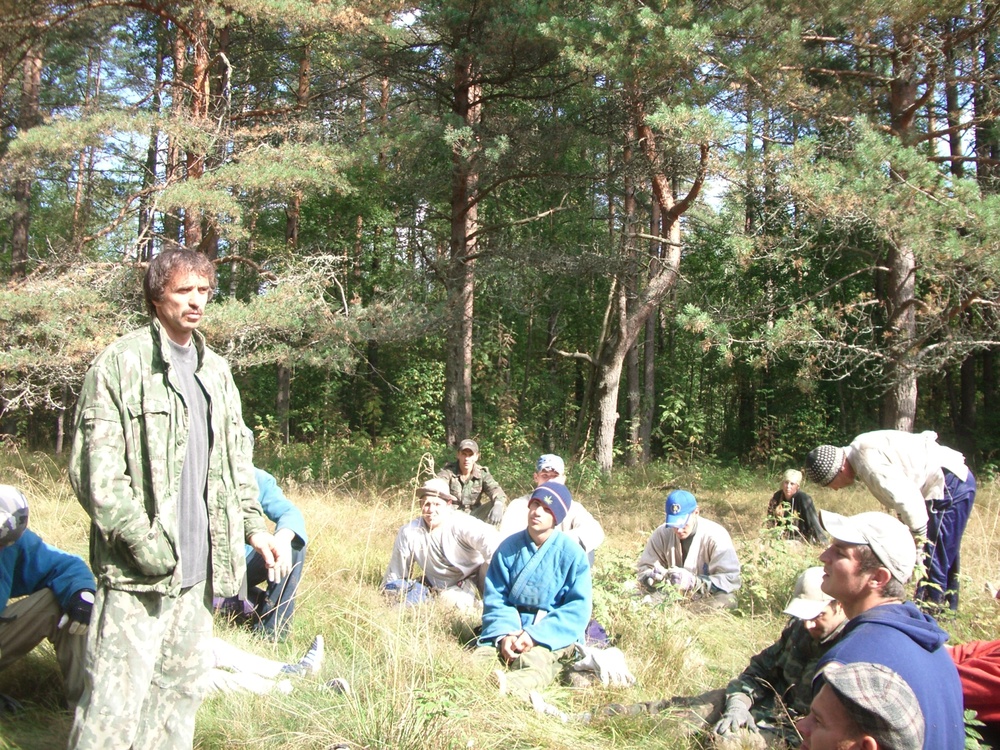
(538, 597)
(691, 555)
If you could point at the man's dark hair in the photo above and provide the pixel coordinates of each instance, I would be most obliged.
(869, 561)
(162, 268)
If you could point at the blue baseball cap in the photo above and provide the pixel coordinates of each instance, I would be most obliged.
(679, 507)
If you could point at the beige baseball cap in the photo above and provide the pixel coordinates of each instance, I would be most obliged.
(888, 537)
(808, 599)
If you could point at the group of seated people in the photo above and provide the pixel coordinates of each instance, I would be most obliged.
(856, 663)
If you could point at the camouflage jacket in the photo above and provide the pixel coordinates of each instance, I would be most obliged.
(125, 465)
(470, 493)
(783, 670)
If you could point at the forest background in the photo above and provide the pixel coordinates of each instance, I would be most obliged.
(685, 241)
(621, 231)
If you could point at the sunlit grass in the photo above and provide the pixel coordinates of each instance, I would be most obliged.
(414, 686)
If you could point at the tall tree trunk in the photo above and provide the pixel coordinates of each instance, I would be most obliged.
(630, 288)
(28, 118)
(649, 348)
(899, 404)
(172, 221)
(460, 273)
(629, 324)
(85, 163)
(200, 89)
(146, 219)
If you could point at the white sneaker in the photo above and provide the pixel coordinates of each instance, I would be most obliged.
(311, 663)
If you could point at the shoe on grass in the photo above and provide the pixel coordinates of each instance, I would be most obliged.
(311, 663)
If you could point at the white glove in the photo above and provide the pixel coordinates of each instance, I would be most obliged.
(608, 663)
(656, 575)
(682, 578)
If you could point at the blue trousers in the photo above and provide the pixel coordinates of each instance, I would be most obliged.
(945, 526)
(274, 605)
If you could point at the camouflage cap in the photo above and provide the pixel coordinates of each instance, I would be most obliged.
(13, 514)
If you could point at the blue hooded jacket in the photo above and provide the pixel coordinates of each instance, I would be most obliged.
(30, 565)
(910, 642)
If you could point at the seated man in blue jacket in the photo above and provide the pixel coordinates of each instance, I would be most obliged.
(538, 597)
(274, 604)
(54, 592)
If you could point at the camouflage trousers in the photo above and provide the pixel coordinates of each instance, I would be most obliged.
(147, 655)
(532, 670)
(27, 622)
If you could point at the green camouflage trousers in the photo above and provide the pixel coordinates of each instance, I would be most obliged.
(27, 622)
(532, 670)
(147, 655)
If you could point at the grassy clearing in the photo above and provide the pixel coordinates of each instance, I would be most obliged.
(415, 687)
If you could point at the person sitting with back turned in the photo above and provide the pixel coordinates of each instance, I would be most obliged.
(926, 484)
(691, 555)
(866, 567)
(269, 605)
(794, 511)
(475, 489)
(863, 706)
(54, 596)
(538, 598)
(451, 548)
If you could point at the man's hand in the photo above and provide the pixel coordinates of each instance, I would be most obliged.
(77, 614)
(515, 644)
(269, 548)
(656, 575)
(283, 539)
(737, 715)
(496, 513)
(682, 578)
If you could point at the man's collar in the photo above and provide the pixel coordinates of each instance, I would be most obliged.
(163, 340)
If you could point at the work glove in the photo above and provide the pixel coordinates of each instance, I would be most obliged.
(682, 578)
(656, 575)
(77, 614)
(496, 513)
(737, 715)
(608, 663)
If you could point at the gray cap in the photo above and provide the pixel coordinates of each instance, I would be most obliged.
(880, 703)
(13, 514)
(472, 445)
(888, 537)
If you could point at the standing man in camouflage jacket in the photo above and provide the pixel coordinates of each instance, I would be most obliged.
(477, 491)
(161, 461)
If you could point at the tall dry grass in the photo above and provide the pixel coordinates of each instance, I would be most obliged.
(414, 686)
